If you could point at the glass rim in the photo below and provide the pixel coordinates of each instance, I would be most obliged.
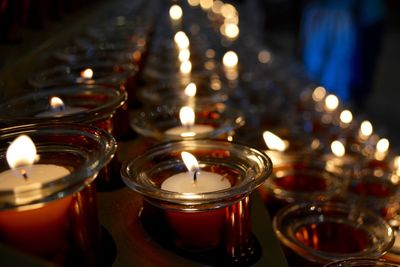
(90, 115)
(355, 262)
(132, 169)
(70, 183)
(39, 79)
(233, 120)
(321, 256)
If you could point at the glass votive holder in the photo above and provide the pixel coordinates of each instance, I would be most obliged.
(315, 234)
(364, 262)
(88, 104)
(51, 212)
(375, 189)
(116, 76)
(300, 178)
(212, 120)
(206, 90)
(216, 220)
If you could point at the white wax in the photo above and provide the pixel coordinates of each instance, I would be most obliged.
(206, 182)
(37, 174)
(59, 113)
(189, 131)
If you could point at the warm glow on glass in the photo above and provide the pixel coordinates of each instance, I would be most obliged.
(56, 103)
(194, 2)
(338, 148)
(396, 163)
(264, 56)
(228, 11)
(331, 102)
(366, 128)
(87, 74)
(191, 89)
(230, 59)
(175, 12)
(21, 152)
(181, 40)
(318, 94)
(346, 116)
(274, 142)
(187, 116)
(210, 53)
(186, 67)
(383, 145)
(231, 30)
(190, 161)
(216, 7)
(206, 4)
(184, 55)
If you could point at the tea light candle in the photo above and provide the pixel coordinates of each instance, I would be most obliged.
(196, 229)
(24, 228)
(188, 128)
(58, 109)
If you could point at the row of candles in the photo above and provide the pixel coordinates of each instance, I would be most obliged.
(201, 187)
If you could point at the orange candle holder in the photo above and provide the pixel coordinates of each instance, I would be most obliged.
(56, 220)
(196, 224)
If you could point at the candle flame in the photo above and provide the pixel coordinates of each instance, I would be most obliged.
(216, 7)
(231, 30)
(21, 152)
(194, 2)
(175, 12)
(346, 116)
(331, 102)
(274, 142)
(338, 148)
(181, 40)
(184, 55)
(190, 161)
(318, 94)
(383, 145)
(191, 90)
(228, 11)
(56, 103)
(186, 67)
(87, 74)
(366, 128)
(206, 4)
(187, 116)
(230, 59)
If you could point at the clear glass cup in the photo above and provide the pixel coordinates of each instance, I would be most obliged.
(367, 262)
(200, 221)
(56, 220)
(95, 105)
(300, 178)
(314, 234)
(156, 121)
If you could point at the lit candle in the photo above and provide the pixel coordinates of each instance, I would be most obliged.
(188, 128)
(274, 142)
(230, 61)
(59, 109)
(41, 229)
(196, 230)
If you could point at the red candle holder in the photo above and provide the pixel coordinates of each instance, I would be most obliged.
(375, 189)
(198, 222)
(116, 76)
(156, 121)
(57, 219)
(366, 262)
(300, 178)
(97, 105)
(315, 234)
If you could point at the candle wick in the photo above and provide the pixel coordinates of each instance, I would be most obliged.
(24, 174)
(195, 176)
